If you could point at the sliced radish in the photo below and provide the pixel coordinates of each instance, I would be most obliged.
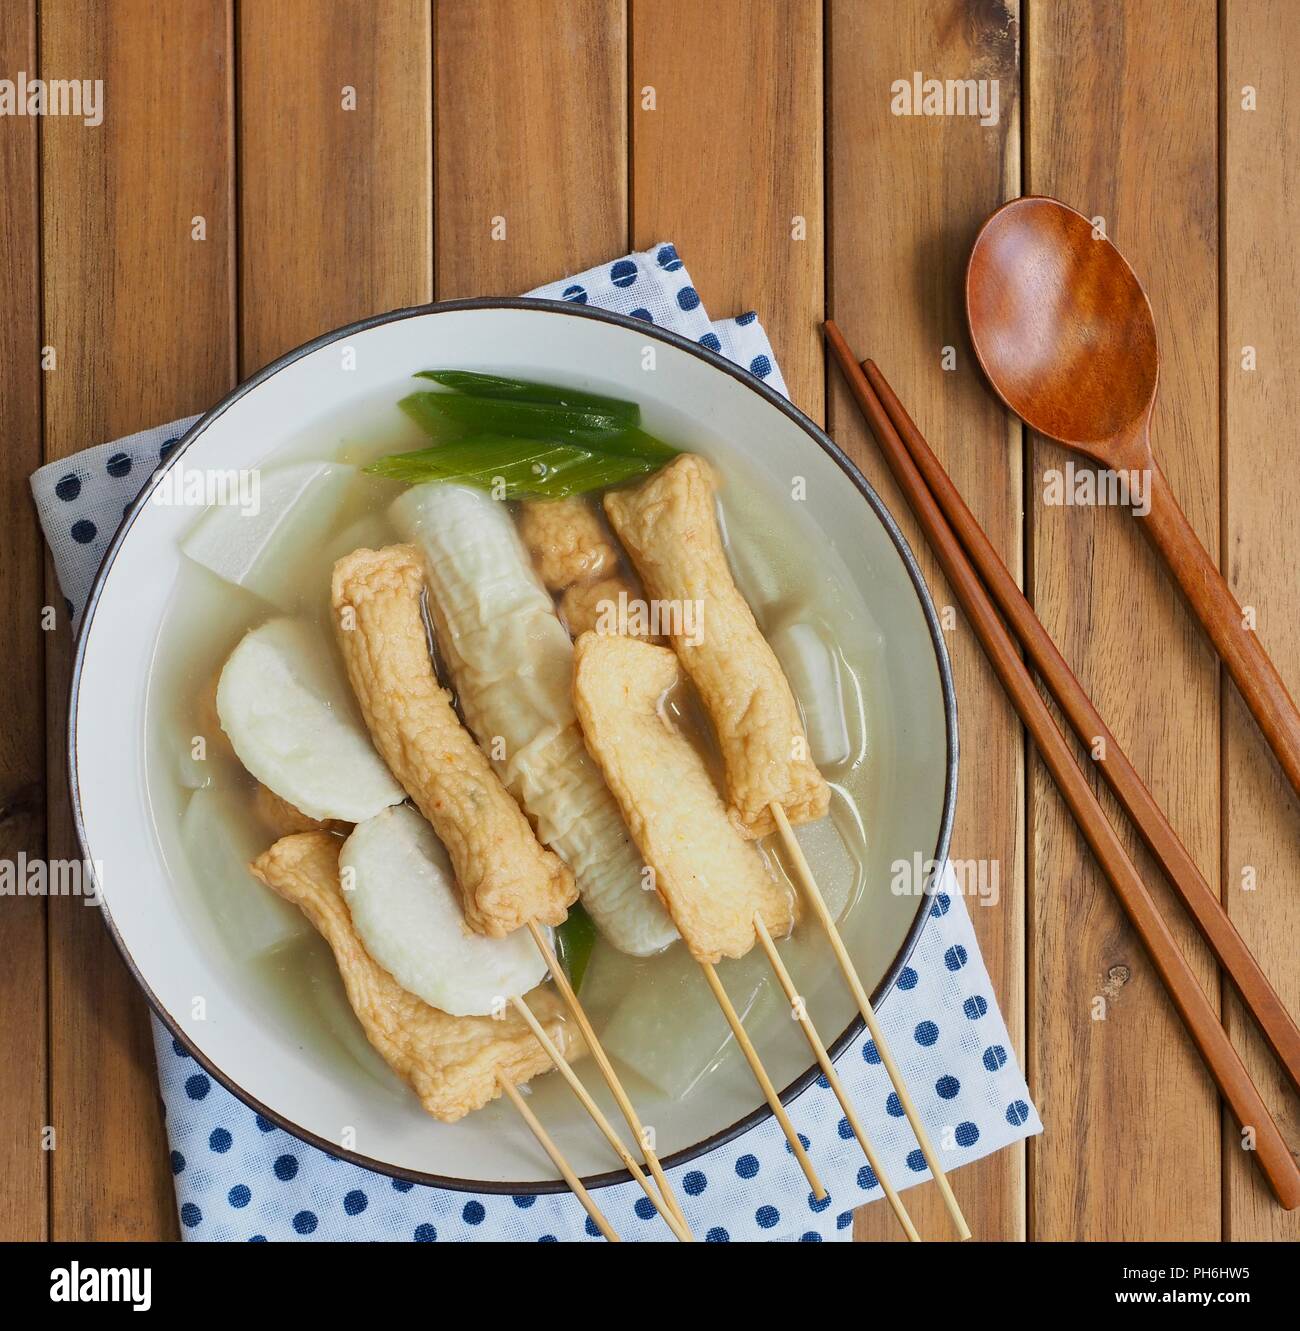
(398, 883)
(814, 675)
(258, 546)
(284, 703)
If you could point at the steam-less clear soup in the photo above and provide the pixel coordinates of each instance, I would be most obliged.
(655, 1015)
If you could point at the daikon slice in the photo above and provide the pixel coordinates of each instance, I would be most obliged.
(814, 675)
(258, 546)
(291, 718)
(399, 886)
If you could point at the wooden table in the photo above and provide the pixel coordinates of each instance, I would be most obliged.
(270, 169)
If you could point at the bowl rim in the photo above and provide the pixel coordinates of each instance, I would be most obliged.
(850, 470)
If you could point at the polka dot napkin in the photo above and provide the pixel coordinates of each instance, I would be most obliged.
(238, 1177)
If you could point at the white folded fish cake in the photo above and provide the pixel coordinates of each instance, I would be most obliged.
(713, 880)
(402, 895)
(291, 720)
(511, 662)
(669, 526)
(451, 1063)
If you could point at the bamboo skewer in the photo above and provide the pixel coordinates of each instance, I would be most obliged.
(565, 1070)
(814, 897)
(606, 1068)
(764, 1081)
(548, 1145)
(828, 1069)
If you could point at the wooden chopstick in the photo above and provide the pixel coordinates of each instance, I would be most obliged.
(1221, 1059)
(1236, 959)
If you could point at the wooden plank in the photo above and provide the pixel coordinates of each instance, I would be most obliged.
(1261, 274)
(24, 1210)
(728, 165)
(334, 167)
(1122, 124)
(907, 195)
(532, 149)
(140, 317)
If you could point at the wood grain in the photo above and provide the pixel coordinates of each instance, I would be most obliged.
(334, 205)
(1122, 125)
(140, 316)
(532, 142)
(24, 1208)
(907, 196)
(729, 163)
(1261, 273)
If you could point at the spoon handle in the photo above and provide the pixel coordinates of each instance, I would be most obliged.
(1224, 620)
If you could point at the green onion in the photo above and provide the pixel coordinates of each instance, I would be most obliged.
(574, 940)
(530, 420)
(514, 468)
(527, 390)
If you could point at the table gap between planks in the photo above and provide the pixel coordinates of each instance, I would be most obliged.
(757, 135)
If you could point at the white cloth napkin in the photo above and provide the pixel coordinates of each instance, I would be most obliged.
(238, 1177)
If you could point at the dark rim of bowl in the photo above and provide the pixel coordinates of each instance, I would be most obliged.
(828, 446)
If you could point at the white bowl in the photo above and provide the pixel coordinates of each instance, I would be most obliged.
(268, 1055)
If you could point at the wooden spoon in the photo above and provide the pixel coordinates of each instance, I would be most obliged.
(1065, 334)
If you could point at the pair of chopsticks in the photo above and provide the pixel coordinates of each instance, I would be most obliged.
(983, 585)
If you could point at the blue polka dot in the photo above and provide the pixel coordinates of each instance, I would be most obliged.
(747, 1166)
(941, 904)
(688, 298)
(760, 366)
(264, 1124)
(305, 1222)
(666, 257)
(967, 1134)
(84, 531)
(907, 978)
(355, 1202)
(178, 1162)
(179, 1049)
(623, 273)
(825, 1083)
(870, 1054)
(402, 1185)
(803, 1141)
(219, 1140)
(975, 1006)
(947, 1087)
(916, 1160)
(818, 1206)
(575, 293)
(810, 1237)
(994, 1057)
(118, 465)
(167, 449)
(257, 1238)
(1017, 1113)
(68, 488)
(867, 1178)
(191, 1215)
(524, 1202)
(591, 1227)
(926, 1033)
(473, 1214)
(694, 1183)
(747, 318)
(845, 1129)
(548, 1238)
(893, 1105)
(239, 1196)
(955, 957)
(425, 1234)
(844, 1220)
(643, 314)
(197, 1086)
(767, 1217)
(286, 1167)
(717, 1235)
(711, 341)
(644, 1208)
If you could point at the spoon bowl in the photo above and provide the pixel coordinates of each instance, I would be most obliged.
(1062, 327)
